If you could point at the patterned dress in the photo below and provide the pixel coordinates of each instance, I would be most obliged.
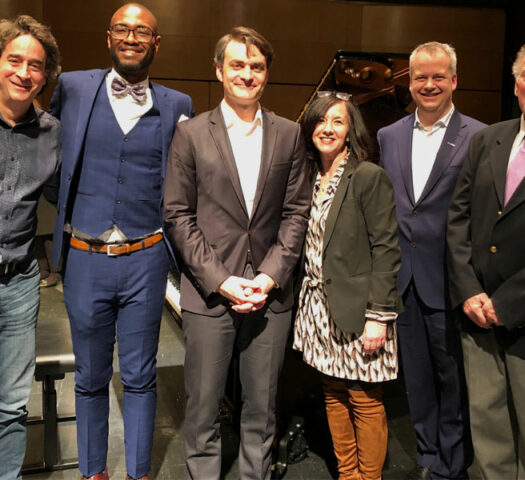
(324, 346)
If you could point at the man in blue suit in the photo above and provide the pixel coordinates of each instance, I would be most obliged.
(117, 130)
(422, 154)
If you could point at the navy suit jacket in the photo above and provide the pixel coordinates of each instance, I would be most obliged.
(72, 103)
(422, 224)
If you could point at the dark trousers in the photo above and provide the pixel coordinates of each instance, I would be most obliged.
(431, 357)
(106, 297)
(261, 339)
(496, 386)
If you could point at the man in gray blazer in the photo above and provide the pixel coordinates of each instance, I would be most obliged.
(237, 197)
(486, 264)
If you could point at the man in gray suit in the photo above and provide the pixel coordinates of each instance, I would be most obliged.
(236, 205)
(486, 266)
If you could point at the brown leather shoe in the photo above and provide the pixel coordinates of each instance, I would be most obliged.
(98, 476)
(145, 477)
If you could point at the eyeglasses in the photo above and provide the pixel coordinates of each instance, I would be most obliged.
(141, 33)
(346, 97)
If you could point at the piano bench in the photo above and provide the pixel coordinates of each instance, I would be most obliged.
(48, 369)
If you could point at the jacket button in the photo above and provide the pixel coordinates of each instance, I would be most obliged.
(413, 244)
(493, 249)
(414, 213)
(328, 281)
(499, 212)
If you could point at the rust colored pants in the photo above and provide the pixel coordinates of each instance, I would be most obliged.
(357, 422)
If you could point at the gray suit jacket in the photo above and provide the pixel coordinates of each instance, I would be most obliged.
(485, 238)
(205, 213)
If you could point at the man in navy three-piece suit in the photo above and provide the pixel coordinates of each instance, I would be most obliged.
(117, 129)
(422, 154)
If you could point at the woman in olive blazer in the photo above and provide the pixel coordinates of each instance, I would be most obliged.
(348, 304)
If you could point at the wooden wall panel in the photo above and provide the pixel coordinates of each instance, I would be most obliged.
(286, 100)
(477, 35)
(11, 8)
(305, 35)
(184, 58)
(485, 106)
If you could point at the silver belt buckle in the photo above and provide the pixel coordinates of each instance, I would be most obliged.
(108, 252)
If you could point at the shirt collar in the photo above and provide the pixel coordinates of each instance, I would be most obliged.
(30, 117)
(114, 74)
(441, 123)
(231, 119)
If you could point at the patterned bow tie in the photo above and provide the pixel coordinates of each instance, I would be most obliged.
(121, 88)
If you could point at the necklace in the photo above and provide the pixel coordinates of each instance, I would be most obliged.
(326, 178)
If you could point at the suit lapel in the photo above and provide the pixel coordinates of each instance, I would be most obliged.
(452, 140)
(222, 142)
(498, 168)
(167, 121)
(339, 196)
(85, 107)
(404, 146)
(268, 147)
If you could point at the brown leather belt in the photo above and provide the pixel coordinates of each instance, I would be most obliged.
(115, 249)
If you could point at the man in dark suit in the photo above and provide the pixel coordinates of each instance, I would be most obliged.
(486, 258)
(422, 154)
(236, 204)
(117, 130)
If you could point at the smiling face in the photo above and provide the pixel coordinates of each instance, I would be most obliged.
(22, 72)
(431, 85)
(243, 75)
(331, 132)
(131, 57)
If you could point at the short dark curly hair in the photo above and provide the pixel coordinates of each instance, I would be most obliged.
(26, 25)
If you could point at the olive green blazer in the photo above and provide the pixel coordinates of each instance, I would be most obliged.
(361, 254)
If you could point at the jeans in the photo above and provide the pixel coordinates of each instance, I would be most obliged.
(19, 300)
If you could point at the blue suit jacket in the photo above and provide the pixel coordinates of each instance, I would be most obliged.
(422, 224)
(72, 103)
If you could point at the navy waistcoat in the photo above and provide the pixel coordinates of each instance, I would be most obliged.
(121, 175)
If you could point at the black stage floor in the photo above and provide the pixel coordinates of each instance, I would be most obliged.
(299, 395)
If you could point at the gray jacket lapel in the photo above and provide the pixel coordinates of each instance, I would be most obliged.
(268, 147)
(222, 142)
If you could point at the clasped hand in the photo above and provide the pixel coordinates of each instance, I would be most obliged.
(246, 295)
(480, 310)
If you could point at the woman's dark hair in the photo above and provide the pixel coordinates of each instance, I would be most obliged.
(360, 142)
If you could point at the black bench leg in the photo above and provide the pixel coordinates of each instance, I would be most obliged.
(49, 409)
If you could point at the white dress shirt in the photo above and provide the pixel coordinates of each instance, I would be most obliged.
(126, 109)
(517, 141)
(246, 143)
(425, 146)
